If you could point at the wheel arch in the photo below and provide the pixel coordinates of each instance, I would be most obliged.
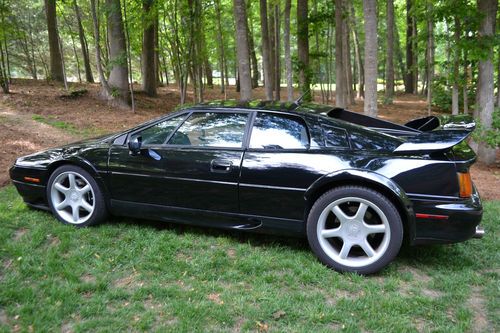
(368, 179)
(85, 165)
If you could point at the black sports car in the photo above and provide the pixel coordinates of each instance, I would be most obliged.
(354, 185)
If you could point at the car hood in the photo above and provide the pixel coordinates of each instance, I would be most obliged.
(44, 158)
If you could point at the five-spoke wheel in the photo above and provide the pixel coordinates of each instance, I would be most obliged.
(75, 197)
(354, 229)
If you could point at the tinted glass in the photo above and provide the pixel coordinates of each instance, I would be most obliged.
(159, 133)
(372, 141)
(209, 129)
(335, 137)
(272, 131)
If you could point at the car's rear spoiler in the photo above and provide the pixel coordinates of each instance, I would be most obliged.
(446, 122)
(433, 141)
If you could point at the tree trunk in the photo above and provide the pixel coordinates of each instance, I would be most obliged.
(399, 53)
(303, 48)
(83, 44)
(56, 70)
(272, 46)
(498, 80)
(265, 50)
(221, 48)
(389, 66)
(106, 90)
(242, 53)
(485, 84)
(277, 45)
(456, 63)
(118, 77)
(251, 47)
(370, 12)
(465, 91)
(357, 54)
(430, 55)
(149, 79)
(288, 56)
(340, 76)
(347, 61)
(410, 66)
(4, 80)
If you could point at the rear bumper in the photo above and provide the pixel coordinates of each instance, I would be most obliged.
(441, 222)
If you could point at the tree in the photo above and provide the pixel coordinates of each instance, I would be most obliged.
(220, 38)
(118, 77)
(357, 53)
(115, 88)
(4, 77)
(371, 44)
(56, 66)
(266, 57)
(340, 76)
(242, 52)
(83, 44)
(389, 66)
(288, 56)
(485, 87)
(277, 59)
(456, 64)
(303, 48)
(411, 77)
(430, 55)
(149, 79)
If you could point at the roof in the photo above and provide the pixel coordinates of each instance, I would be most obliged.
(265, 105)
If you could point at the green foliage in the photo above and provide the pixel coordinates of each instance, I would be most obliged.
(441, 94)
(490, 136)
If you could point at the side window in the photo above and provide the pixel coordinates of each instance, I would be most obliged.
(335, 137)
(159, 133)
(273, 131)
(212, 129)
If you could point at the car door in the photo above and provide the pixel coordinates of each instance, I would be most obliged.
(198, 168)
(277, 168)
(140, 178)
(203, 159)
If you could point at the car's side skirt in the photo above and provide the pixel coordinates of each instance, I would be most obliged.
(264, 224)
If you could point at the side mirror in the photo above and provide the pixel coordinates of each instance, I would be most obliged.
(134, 145)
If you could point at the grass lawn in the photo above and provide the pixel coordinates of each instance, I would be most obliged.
(139, 275)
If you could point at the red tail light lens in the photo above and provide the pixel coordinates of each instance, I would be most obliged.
(465, 184)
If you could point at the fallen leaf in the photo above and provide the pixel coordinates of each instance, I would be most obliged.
(278, 314)
(262, 327)
(215, 298)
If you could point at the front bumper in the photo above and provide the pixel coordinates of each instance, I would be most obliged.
(33, 194)
(447, 221)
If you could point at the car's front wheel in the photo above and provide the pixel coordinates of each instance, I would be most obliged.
(354, 229)
(75, 197)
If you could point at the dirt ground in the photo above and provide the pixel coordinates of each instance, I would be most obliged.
(20, 134)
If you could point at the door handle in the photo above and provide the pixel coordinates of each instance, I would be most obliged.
(221, 166)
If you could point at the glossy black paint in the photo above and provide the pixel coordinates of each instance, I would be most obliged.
(272, 190)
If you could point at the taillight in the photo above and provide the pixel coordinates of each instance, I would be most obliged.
(465, 184)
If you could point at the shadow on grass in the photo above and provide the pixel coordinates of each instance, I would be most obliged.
(253, 238)
(452, 257)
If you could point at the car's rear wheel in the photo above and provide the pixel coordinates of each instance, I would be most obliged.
(75, 197)
(354, 229)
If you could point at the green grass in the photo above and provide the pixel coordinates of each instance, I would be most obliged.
(139, 275)
(67, 127)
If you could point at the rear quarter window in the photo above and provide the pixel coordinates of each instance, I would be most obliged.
(368, 140)
(335, 137)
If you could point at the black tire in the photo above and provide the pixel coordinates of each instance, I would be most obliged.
(382, 214)
(95, 196)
